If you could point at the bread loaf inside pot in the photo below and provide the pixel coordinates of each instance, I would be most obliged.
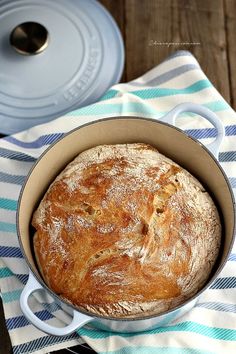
(123, 231)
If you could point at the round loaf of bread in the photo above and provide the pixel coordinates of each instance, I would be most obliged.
(123, 231)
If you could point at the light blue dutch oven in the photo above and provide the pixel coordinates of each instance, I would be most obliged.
(200, 160)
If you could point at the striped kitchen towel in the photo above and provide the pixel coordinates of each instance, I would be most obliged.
(211, 326)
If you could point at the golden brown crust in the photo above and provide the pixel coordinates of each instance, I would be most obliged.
(124, 231)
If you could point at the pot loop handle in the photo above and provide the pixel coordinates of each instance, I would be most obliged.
(78, 321)
(205, 113)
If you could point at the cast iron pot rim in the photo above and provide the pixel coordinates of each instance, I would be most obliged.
(92, 315)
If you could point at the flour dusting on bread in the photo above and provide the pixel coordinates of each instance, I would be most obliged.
(124, 231)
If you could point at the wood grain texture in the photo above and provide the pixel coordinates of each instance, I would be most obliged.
(210, 22)
(5, 343)
(117, 9)
(230, 19)
(177, 21)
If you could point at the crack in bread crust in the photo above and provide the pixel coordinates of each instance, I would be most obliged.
(125, 231)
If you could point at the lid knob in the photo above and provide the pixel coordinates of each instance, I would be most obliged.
(29, 38)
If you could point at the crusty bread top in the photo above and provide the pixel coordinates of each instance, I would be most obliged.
(125, 231)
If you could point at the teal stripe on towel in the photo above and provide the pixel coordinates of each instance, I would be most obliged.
(5, 272)
(136, 108)
(109, 94)
(117, 108)
(9, 204)
(216, 106)
(7, 227)
(155, 350)
(11, 296)
(162, 92)
(212, 332)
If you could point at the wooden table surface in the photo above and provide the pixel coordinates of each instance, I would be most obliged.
(207, 28)
(211, 23)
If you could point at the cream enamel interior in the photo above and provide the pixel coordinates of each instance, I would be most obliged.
(168, 140)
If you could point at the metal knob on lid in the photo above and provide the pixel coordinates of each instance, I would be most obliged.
(29, 38)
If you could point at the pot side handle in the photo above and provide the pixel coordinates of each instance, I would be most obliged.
(78, 320)
(204, 112)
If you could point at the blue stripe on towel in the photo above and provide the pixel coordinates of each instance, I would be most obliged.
(117, 108)
(21, 321)
(218, 306)
(39, 142)
(23, 278)
(232, 181)
(230, 130)
(16, 155)
(41, 343)
(9, 178)
(51, 307)
(224, 283)
(232, 257)
(227, 156)
(7, 251)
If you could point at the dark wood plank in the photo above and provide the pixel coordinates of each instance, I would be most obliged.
(79, 349)
(210, 22)
(5, 343)
(180, 21)
(230, 19)
(117, 9)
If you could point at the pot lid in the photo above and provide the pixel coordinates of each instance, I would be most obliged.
(55, 56)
